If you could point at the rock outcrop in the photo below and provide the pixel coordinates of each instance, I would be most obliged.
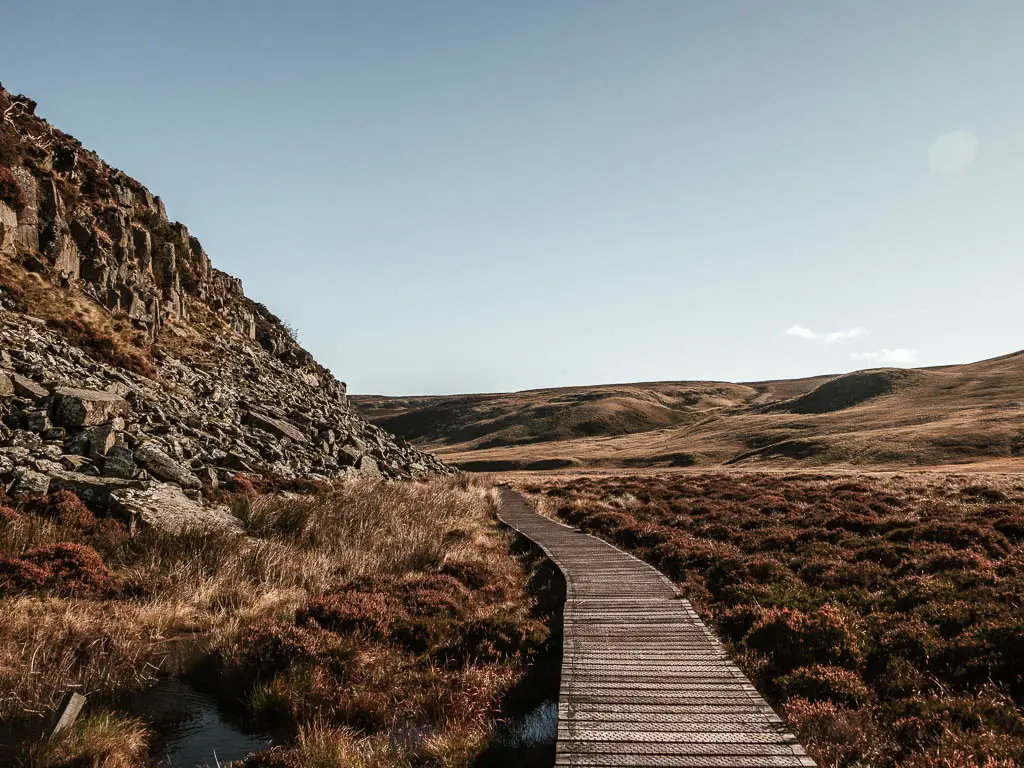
(131, 370)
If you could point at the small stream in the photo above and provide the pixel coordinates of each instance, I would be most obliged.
(524, 741)
(189, 729)
(537, 728)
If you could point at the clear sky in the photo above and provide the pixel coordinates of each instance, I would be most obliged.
(480, 196)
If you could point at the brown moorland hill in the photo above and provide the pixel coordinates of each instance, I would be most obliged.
(955, 414)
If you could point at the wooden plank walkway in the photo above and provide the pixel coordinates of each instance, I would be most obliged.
(644, 681)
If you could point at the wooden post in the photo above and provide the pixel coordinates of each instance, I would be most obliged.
(68, 710)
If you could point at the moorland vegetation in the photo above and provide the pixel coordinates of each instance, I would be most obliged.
(368, 623)
(882, 614)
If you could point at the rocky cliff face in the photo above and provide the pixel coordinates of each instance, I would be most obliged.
(128, 356)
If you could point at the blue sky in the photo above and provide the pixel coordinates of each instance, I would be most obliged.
(482, 196)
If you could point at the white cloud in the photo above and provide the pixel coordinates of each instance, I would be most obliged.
(953, 152)
(803, 333)
(829, 338)
(904, 356)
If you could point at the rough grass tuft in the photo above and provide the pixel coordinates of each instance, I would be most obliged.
(95, 741)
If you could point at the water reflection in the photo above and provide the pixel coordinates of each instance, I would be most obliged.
(524, 741)
(536, 728)
(189, 729)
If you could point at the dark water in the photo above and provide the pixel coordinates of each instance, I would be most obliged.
(524, 741)
(189, 729)
(537, 728)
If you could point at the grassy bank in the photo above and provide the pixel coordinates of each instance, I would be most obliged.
(371, 623)
(883, 615)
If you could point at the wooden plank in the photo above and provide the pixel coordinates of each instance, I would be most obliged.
(66, 713)
(644, 681)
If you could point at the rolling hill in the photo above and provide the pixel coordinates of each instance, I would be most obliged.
(889, 417)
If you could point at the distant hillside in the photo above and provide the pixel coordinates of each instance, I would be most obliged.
(546, 415)
(882, 417)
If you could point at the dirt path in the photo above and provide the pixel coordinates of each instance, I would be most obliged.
(644, 681)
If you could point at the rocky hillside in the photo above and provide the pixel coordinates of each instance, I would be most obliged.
(128, 360)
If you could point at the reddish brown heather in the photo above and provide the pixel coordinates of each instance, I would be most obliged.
(883, 613)
(65, 569)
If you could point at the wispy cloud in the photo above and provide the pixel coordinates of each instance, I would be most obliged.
(953, 152)
(829, 338)
(887, 356)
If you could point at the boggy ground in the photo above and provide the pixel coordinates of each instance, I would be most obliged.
(882, 614)
(369, 623)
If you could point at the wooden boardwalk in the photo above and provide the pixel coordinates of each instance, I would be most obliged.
(644, 681)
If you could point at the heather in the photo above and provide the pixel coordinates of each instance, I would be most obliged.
(882, 614)
(378, 623)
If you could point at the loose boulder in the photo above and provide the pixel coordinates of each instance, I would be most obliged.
(86, 408)
(29, 389)
(368, 468)
(119, 462)
(104, 437)
(167, 508)
(276, 426)
(349, 455)
(29, 483)
(163, 467)
(89, 488)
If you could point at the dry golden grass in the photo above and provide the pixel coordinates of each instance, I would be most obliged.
(196, 602)
(50, 645)
(96, 741)
(79, 319)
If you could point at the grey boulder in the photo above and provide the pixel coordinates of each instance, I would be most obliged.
(29, 389)
(29, 483)
(167, 508)
(119, 462)
(275, 426)
(89, 488)
(368, 468)
(87, 408)
(163, 467)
